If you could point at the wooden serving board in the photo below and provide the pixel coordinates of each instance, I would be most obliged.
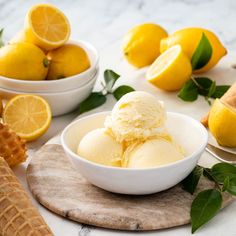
(60, 188)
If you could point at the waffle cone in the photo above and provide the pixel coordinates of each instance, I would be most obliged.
(18, 216)
(228, 98)
(12, 147)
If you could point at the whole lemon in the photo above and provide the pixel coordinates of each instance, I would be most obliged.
(141, 44)
(23, 61)
(189, 39)
(222, 123)
(68, 60)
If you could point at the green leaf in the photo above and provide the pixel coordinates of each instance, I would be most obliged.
(220, 91)
(191, 181)
(203, 84)
(95, 100)
(226, 184)
(204, 207)
(122, 90)
(110, 78)
(207, 174)
(212, 89)
(202, 54)
(189, 91)
(222, 170)
(1, 38)
(231, 186)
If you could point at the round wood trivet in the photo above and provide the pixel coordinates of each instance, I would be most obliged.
(60, 188)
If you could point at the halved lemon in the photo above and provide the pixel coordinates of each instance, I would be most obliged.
(222, 123)
(170, 70)
(46, 26)
(28, 115)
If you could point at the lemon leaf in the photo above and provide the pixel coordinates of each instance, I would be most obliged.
(189, 91)
(204, 207)
(212, 89)
(95, 100)
(220, 91)
(122, 90)
(203, 84)
(110, 78)
(191, 181)
(220, 171)
(207, 174)
(226, 184)
(1, 38)
(202, 54)
(230, 185)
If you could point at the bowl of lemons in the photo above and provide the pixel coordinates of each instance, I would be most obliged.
(41, 59)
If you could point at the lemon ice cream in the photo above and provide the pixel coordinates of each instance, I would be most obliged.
(135, 135)
(152, 153)
(99, 147)
(136, 116)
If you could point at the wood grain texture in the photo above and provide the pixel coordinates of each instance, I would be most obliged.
(56, 185)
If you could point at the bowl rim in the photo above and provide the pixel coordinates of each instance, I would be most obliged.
(40, 82)
(100, 166)
(93, 80)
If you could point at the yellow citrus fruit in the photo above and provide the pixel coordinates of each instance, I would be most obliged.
(28, 115)
(45, 26)
(189, 39)
(222, 123)
(141, 44)
(170, 70)
(68, 60)
(23, 61)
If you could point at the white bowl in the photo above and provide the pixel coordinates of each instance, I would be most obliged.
(189, 133)
(60, 102)
(56, 85)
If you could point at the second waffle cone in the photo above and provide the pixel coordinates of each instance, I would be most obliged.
(18, 216)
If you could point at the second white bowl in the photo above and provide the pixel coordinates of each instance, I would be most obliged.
(60, 102)
(187, 132)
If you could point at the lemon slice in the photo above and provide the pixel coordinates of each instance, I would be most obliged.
(46, 26)
(222, 123)
(170, 70)
(28, 115)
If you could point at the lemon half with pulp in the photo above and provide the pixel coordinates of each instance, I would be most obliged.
(170, 70)
(28, 115)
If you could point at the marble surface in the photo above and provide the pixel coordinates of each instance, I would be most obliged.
(104, 23)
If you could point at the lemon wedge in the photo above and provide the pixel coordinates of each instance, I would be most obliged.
(46, 26)
(28, 115)
(170, 70)
(222, 123)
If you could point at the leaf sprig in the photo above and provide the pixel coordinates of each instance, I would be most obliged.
(97, 99)
(201, 85)
(207, 203)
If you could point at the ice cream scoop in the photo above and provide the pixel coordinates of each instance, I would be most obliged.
(100, 147)
(152, 153)
(136, 116)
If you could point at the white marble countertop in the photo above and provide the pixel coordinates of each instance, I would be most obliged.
(104, 23)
